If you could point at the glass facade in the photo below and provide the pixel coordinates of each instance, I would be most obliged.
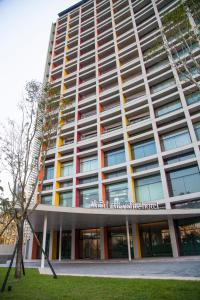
(168, 108)
(49, 173)
(155, 239)
(66, 199)
(143, 149)
(66, 245)
(163, 85)
(89, 244)
(180, 157)
(189, 236)
(46, 199)
(115, 157)
(197, 130)
(145, 167)
(88, 164)
(184, 181)
(175, 139)
(117, 193)
(87, 196)
(66, 169)
(193, 98)
(117, 242)
(149, 189)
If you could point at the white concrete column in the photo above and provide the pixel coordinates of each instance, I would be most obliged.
(60, 243)
(128, 240)
(30, 246)
(44, 240)
(51, 244)
(73, 242)
(102, 243)
(136, 242)
(173, 237)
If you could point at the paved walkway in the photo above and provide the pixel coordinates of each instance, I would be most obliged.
(184, 268)
(181, 268)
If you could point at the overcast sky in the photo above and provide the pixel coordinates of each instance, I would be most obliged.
(24, 35)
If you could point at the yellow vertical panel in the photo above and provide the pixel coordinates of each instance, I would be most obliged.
(132, 180)
(56, 200)
(60, 141)
(54, 246)
(58, 169)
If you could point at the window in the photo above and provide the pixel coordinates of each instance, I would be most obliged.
(197, 130)
(67, 169)
(65, 184)
(88, 179)
(117, 193)
(175, 139)
(145, 167)
(186, 75)
(170, 107)
(47, 187)
(87, 196)
(193, 98)
(46, 199)
(185, 51)
(143, 149)
(49, 173)
(66, 199)
(115, 157)
(163, 85)
(180, 157)
(116, 174)
(184, 181)
(88, 164)
(149, 189)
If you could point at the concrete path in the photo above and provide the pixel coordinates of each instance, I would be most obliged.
(184, 269)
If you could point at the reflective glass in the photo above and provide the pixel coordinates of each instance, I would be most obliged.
(149, 189)
(197, 130)
(145, 167)
(67, 169)
(143, 149)
(163, 85)
(88, 164)
(115, 157)
(175, 139)
(184, 181)
(170, 107)
(193, 98)
(87, 196)
(180, 157)
(46, 199)
(49, 172)
(66, 199)
(117, 193)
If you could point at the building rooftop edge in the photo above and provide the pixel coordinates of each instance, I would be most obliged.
(62, 13)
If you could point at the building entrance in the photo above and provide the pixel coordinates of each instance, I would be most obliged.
(155, 240)
(90, 244)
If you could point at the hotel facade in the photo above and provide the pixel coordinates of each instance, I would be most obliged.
(122, 177)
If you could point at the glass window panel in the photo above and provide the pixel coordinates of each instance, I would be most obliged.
(87, 196)
(175, 139)
(178, 158)
(170, 107)
(145, 167)
(66, 169)
(49, 172)
(197, 130)
(88, 164)
(149, 188)
(117, 193)
(66, 199)
(115, 157)
(143, 149)
(46, 199)
(193, 98)
(163, 85)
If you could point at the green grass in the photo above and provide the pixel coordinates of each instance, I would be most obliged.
(40, 287)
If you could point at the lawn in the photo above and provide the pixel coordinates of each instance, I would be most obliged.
(40, 287)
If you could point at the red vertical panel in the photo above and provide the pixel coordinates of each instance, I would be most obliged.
(106, 242)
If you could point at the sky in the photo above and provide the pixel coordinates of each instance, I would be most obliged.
(24, 32)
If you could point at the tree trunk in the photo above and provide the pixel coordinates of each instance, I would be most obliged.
(18, 267)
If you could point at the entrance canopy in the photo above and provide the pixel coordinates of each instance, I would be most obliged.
(84, 218)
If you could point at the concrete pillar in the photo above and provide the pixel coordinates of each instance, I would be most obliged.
(128, 240)
(73, 243)
(136, 241)
(60, 243)
(173, 237)
(44, 240)
(51, 244)
(30, 246)
(102, 248)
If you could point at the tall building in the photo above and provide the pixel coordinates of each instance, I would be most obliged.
(122, 176)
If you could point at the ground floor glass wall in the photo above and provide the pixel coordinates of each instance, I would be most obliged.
(89, 244)
(155, 240)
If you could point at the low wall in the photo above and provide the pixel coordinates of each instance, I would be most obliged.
(6, 249)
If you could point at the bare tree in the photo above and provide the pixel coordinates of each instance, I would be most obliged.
(24, 146)
(180, 39)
